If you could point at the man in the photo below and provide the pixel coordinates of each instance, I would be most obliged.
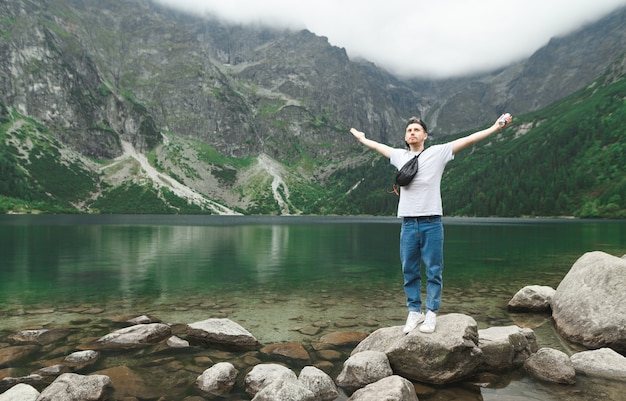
(421, 210)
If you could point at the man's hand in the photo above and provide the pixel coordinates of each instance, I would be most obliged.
(357, 134)
(507, 118)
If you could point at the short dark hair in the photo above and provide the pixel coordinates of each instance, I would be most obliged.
(415, 120)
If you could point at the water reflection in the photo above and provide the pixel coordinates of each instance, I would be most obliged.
(160, 259)
(276, 276)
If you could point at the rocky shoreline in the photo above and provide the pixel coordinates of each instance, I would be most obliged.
(138, 356)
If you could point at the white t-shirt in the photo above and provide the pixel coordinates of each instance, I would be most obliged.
(422, 197)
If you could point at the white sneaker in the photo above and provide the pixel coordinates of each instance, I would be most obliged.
(429, 323)
(412, 321)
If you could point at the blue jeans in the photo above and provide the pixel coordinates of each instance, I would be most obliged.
(421, 239)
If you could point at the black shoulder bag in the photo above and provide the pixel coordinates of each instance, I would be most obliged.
(406, 174)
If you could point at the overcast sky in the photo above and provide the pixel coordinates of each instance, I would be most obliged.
(419, 38)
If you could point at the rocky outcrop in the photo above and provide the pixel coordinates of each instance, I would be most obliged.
(589, 305)
(450, 354)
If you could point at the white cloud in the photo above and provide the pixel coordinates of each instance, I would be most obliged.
(417, 37)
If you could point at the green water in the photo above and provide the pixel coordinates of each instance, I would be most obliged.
(275, 275)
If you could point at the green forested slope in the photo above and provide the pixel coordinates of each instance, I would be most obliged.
(572, 161)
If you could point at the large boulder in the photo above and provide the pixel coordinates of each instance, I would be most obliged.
(589, 305)
(505, 347)
(449, 354)
(223, 332)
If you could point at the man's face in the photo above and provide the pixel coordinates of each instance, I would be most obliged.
(415, 134)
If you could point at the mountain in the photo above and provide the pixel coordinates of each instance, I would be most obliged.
(112, 106)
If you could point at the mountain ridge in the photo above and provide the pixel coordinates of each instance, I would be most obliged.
(101, 74)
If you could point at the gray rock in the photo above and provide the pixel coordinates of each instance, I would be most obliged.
(532, 298)
(143, 319)
(394, 388)
(40, 336)
(222, 332)
(319, 383)
(285, 387)
(505, 347)
(218, 380)
(81, 359)
(603, 362)
(364, 368)
(73, 387)
(177, 342)
(449, 354)
(53, 371)
(262, 375)
(551, 365)
(135, 336)
(20, 392)
(589, 305)
(34, 379)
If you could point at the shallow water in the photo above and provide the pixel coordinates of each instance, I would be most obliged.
(285, 279)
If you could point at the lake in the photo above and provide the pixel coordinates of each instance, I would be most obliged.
(277, 276)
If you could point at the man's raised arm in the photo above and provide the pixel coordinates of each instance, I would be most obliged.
(379, 147)
(478, 136)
